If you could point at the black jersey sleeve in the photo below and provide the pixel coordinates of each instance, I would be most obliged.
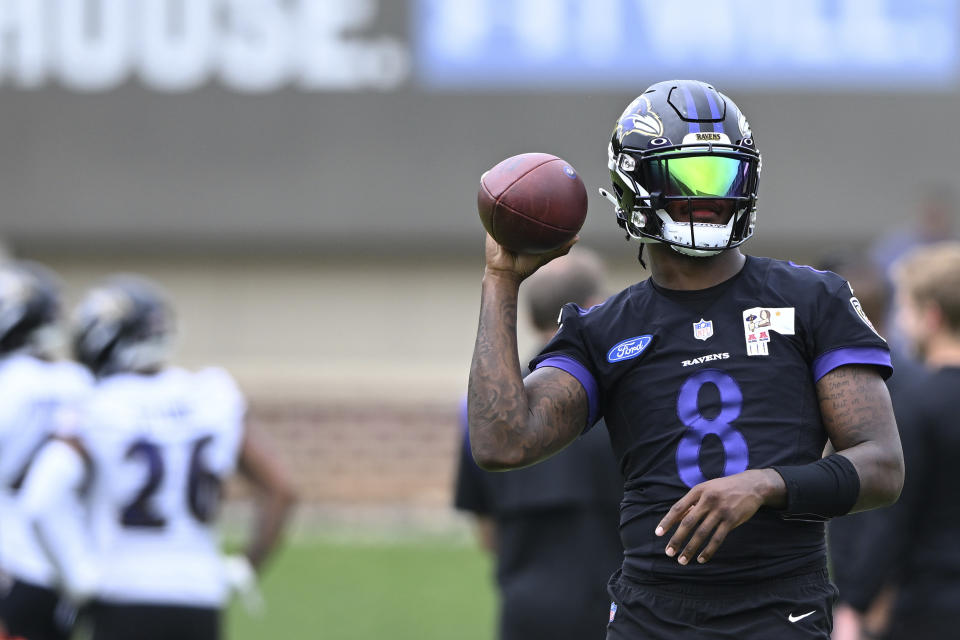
(568, 351)
(842, 334)
(471, 490)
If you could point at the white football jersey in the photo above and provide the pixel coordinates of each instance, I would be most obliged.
(160, 445)
(34, 397)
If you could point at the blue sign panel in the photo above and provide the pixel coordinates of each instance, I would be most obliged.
(584, 44)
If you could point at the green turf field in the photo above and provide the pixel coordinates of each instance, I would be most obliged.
(373, 591)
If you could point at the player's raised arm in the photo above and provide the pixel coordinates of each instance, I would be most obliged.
(516, 422)
(859, 420)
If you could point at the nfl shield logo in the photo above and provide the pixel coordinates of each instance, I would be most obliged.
(703, 329)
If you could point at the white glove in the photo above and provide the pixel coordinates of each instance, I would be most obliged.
(242, 582)
(80, 581)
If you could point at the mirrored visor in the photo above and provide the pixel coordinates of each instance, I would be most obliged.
(700, 176)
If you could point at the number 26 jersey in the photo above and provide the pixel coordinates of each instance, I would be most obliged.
(695, 385)
(160, 446)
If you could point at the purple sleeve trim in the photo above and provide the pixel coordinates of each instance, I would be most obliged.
(583, 375)
(805, 266)
(583, 312)
(830, 360)
(464, 422)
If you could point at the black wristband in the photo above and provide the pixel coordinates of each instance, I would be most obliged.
(821, 490)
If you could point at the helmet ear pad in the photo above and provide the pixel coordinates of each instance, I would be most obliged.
(672, 121)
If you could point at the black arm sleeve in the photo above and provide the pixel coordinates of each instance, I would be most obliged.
(470, 490)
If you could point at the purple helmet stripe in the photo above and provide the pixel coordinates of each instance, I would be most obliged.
(714, 112)
(691, 109)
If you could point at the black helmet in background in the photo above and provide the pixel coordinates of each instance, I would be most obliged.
(125, 324)
(29, 309)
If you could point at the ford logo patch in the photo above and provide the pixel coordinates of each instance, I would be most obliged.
(630, 348)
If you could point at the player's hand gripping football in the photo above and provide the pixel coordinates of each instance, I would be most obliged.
(711, 509)
(502, 261)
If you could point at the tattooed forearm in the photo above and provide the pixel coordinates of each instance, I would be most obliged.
(512, 425)
(858, 417)
(495, 398)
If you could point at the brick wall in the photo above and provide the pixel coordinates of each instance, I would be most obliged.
(371, 454)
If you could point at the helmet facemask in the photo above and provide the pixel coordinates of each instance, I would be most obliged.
(647, 182)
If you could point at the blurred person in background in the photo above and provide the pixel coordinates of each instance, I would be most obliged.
(34, 388)
(553, 527)
(845, 534)
(719, 421)
(913, 545)
(148, 453)
(934, 221)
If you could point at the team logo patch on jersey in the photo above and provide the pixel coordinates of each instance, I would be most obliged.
(628, 349)
(759, 322)
(703, 329)
(863, 316)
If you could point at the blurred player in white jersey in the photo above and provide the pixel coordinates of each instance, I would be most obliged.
(34, 388)
(149, 450)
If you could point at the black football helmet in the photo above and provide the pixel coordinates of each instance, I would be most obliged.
(682, 140)
(29, 309)
(124, 325)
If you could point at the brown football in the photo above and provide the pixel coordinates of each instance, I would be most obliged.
(532, 202)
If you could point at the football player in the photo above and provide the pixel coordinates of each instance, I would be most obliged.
(34, 389)
(149, 451)
(720, 379)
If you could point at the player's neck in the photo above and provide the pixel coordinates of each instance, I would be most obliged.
(672, 270)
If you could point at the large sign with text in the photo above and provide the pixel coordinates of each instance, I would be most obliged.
(258, 46)
(582, 44)
(179, 45)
